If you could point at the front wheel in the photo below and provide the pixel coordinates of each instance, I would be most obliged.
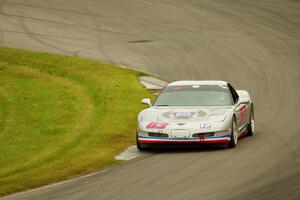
(234, 134)
(140, 146)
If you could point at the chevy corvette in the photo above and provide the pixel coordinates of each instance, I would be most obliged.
(196, 112)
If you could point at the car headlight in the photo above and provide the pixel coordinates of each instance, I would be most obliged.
(217, 118)
(222, 133)
(142, 133)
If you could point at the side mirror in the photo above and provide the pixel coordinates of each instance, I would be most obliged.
(146, 101)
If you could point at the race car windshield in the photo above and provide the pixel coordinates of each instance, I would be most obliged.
(195, 95)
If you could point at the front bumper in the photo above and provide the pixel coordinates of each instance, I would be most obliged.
(163, 140)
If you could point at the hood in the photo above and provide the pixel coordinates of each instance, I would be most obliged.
(185, 114)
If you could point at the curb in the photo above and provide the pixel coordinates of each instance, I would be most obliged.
(152, 84)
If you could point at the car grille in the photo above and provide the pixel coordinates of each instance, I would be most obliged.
(203, 134)
(158, 134)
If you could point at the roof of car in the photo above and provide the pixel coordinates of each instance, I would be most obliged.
(191, 82)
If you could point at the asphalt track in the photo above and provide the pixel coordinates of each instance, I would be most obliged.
(255, 44)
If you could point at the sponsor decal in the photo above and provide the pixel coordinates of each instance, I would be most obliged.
(201, 113)
(176, 88)
(223, 86)
(157, 125)
(243, 114)
(206, 125)
(184, 115)
(167, 114)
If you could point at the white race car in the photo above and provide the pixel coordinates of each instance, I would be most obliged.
(195, 112)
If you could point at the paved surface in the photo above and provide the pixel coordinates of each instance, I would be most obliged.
(255, 44)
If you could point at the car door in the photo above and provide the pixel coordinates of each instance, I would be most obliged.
(242, 113)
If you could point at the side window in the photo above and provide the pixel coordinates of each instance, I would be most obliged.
(234, 94)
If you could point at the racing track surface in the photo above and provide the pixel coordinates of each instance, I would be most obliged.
(255, 44)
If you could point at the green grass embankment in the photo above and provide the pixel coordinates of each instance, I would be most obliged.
(62, 117)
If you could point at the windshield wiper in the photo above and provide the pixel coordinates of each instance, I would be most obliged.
(162, 105)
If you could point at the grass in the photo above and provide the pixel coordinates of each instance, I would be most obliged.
(62, 117)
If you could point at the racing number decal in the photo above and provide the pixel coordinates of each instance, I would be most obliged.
(243, 114)
(158, 125)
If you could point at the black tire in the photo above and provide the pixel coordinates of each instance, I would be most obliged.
(142, 147)
(232, 143)
(251, 130)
